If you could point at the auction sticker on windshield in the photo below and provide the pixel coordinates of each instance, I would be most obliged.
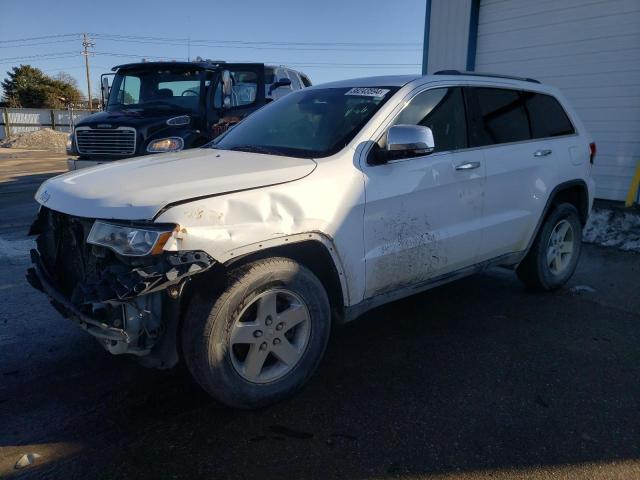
(368, 92)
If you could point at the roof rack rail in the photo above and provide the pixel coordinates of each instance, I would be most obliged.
(479, 74)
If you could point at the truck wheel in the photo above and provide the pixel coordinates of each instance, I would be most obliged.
(262, 338)
(554, 254)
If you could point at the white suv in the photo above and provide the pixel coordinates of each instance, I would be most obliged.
(238, 257)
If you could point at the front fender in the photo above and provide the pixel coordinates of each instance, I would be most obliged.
(327, 207)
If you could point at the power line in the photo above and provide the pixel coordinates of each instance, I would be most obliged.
(185, 41)
(129, 55)
(41, 55)
(40, 38)
(39, 43)
(213, 43)
(326, 64)
(43, 59)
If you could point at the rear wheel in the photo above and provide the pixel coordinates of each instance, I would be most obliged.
(262, 338)
(554, 254)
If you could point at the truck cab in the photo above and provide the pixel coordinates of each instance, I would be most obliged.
(163, 107)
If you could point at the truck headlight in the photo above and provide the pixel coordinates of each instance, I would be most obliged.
(130, 241)
(169, 144)
(70, 145)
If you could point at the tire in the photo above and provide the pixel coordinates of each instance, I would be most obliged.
(274, 311)
(542, 268)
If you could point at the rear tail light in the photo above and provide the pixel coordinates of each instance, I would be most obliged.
(592, 152)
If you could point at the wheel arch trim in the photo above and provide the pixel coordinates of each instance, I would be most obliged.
(326, 242)
(550, 200)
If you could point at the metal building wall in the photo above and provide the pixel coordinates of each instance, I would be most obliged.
(590, 49)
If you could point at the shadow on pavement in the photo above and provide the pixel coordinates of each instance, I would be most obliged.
(473, 376)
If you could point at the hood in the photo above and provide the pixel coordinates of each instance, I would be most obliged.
(128, 118)
(139, 188)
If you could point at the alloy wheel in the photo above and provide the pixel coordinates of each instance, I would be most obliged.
(270, 335)
(561, 247)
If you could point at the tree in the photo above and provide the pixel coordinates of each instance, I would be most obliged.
(67, 78)
(30, 87)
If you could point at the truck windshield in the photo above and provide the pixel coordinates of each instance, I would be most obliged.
(308, 123)
(162, 89)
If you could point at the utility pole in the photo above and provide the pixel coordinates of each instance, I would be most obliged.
(87, 43)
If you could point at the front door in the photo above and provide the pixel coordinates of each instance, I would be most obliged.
(423, 214)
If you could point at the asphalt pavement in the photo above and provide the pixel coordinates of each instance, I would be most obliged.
(476, 379)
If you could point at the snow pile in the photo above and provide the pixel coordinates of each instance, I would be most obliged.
(613, 228)
(43, 139)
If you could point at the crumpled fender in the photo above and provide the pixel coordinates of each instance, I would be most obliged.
(324, 208)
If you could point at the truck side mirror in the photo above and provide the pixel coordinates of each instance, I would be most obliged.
(227, 88)
(282, 82)
(104, 90)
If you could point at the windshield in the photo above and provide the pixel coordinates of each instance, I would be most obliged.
(307, 123)
(163, 88)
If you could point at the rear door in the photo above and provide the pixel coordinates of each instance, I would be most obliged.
(499, 128)
(520, 169)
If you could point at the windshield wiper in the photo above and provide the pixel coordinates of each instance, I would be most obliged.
(255, 149)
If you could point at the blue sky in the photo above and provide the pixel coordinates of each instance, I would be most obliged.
(328, 39)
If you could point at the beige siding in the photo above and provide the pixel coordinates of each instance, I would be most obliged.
(448, 35)
(590, 49)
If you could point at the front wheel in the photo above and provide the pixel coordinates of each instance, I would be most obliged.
(262, 338)
(554, 254)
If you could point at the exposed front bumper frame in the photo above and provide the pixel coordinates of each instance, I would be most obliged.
(164, 352)
(39, 279)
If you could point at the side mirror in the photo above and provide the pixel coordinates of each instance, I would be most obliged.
(410, 139)
(105, 91)
(282, 82)
(227, 88)
(405, 141)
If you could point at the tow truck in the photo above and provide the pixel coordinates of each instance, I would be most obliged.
(158, 107)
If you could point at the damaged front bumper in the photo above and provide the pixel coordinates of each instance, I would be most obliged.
(40, 281)
(132, 310)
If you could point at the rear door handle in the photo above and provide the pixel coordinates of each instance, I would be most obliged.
(468, 166)
(542, 153)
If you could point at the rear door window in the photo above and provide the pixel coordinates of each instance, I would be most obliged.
(498, 116)
(442, 110)
(548, 118)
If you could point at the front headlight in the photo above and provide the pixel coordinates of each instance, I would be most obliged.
(169, 144)
(129, 240)
(69, 145)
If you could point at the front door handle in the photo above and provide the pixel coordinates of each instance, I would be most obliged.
(468, 166)
(542, 153)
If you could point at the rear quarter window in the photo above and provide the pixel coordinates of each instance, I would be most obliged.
(548, 118)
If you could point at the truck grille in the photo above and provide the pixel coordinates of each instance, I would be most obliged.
(117, 142)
